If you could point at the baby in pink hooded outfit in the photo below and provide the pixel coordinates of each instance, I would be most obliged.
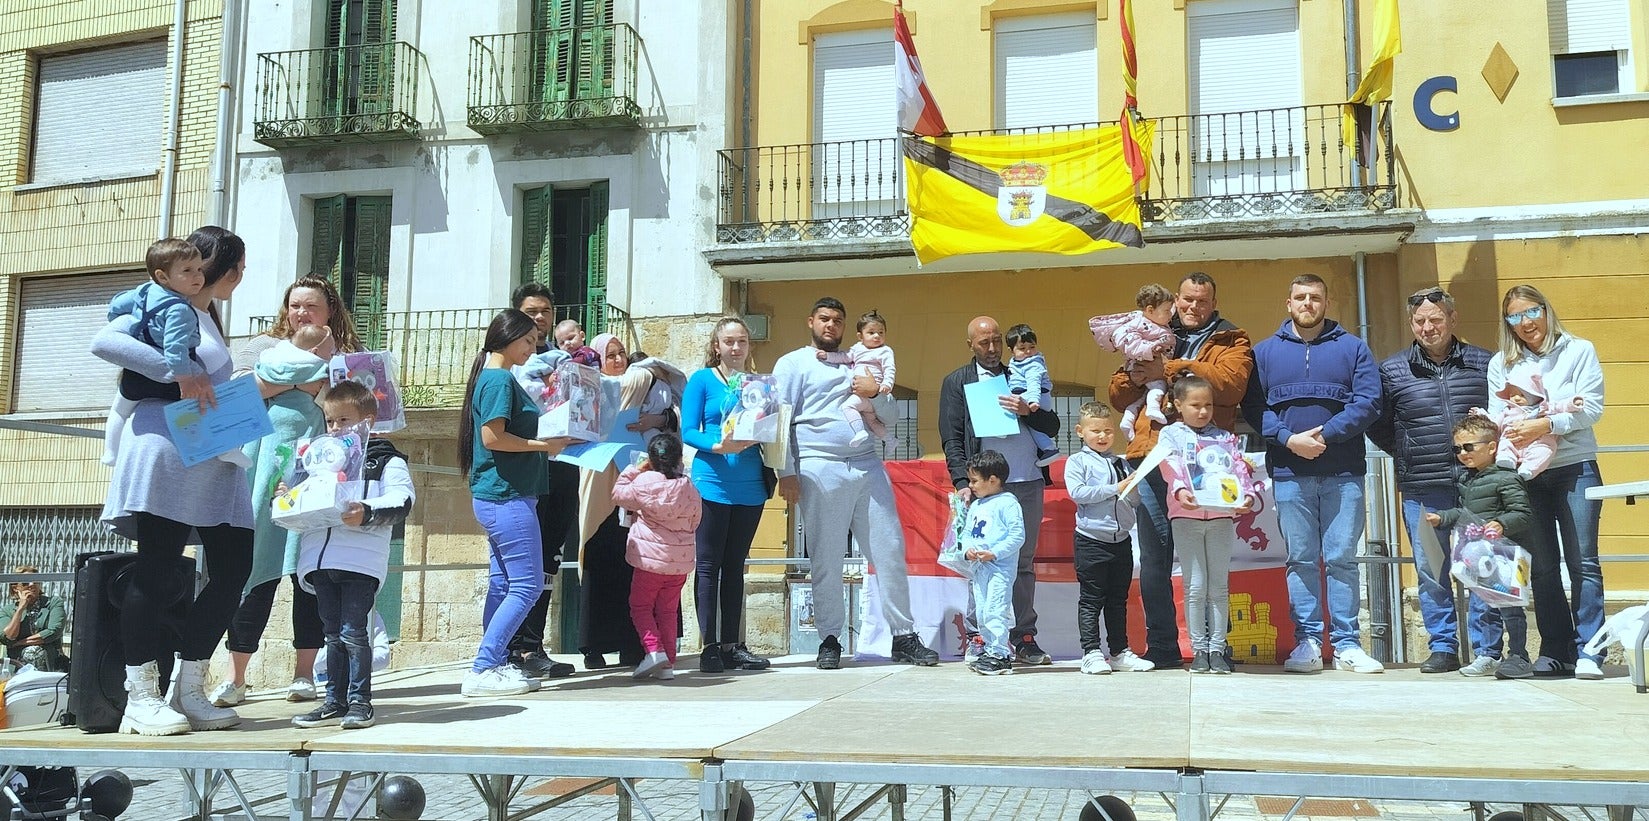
(1527, 401)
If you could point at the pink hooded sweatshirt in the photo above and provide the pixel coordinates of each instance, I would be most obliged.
(667, 515)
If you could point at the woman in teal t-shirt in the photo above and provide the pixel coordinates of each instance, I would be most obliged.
(507, 467)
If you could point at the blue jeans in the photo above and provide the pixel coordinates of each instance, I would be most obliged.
(1156, 570)
(516, 576)
(1322, 521)
(344, 599)
(1558, 497)
(1436, 597)
(993, 605)
(1489, 623)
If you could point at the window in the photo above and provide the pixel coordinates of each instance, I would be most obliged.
(573, 50)
(905, 430)
(564, 246)
(100, 114)
(856, 164)
(351, 248)
(1591, 46)
(1247, 129)
(57, 318)
(360, 75)
(1068, 402)
(1047, 71)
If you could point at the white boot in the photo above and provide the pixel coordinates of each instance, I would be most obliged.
(146, 713)
(188, 696)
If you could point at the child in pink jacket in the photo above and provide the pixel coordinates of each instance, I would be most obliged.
(661, 548)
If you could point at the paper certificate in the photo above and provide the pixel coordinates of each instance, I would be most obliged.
(240, 417)
(986, 414)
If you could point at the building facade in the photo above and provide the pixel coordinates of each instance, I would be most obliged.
(109, 118)
(1506, 155)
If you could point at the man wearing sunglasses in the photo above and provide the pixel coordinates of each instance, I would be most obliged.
(1427, 388)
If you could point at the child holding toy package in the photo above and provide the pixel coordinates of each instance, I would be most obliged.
(1140, 336)
(1526, 399)
(871, 357)
(343, 566)
(662, 547)
(1103, 551)
(1496, 495)
(1204, 536)
(1028, 374)
(167, 321)
(991, 539)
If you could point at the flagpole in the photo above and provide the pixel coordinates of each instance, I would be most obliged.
(1353, 79)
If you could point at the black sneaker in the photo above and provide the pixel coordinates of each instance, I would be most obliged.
(1219, 664)
(595, 661)
(992, 666)
(536, 666)
(910, 650)
(1200, 663)
(1164, 660)
(830, 654)
(1440, 662)
(359, 716)
(740, 658)
(710, 661)
(326, 715)
(1028, 653)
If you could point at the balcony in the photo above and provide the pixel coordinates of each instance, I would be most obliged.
(348, 94)
(434, 349)
(1254, 166)
(554, 79)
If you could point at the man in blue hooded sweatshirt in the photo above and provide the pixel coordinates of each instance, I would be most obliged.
(1315, 389)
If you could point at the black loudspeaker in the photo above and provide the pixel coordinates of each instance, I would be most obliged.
(97, 668)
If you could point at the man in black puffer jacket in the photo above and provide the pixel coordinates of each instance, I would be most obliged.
(1427, 388)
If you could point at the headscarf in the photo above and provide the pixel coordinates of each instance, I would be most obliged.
(595, 487)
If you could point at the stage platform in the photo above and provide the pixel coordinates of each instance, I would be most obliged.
(1399, 735)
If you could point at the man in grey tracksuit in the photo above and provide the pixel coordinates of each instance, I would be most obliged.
(841, 490)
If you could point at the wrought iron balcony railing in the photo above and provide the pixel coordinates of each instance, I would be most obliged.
(583, 77)
(434, 349)
(1285, 162)
(333, 95)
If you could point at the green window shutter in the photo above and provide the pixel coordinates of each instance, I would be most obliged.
(535, 236)
(368, 293)
(327, 238)
(553, 21)
(595, 299)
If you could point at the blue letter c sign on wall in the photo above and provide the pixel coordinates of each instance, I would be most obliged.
(1428, 116)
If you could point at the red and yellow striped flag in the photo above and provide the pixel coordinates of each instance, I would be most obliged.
(1131, 153)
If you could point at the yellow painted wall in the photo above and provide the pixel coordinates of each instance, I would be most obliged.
(1559, 155)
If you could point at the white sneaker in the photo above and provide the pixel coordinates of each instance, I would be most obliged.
(517, 674)
(493, 682)
(1093, 663)
(653, 662)
(301, 689)
(1587, 669)
(1355, 660)
(1127, 662)
(1156, 415)
(1480, 667)
(1306, 658)
(228, 694)
(666, 673)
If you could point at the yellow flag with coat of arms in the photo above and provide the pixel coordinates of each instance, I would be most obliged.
(1066, 192)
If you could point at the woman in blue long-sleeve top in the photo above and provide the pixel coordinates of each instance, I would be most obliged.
(730, 478)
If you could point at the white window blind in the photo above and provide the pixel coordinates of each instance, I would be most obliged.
(1584, 26)
(855, 118)
(58, 318)
(1245, 64)
(1047, 71)
(100, 114)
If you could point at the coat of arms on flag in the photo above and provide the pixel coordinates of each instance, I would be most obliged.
(1022, 198)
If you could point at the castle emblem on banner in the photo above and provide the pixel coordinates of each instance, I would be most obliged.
(1022, 197)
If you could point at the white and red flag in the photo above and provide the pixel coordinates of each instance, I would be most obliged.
(918, 113)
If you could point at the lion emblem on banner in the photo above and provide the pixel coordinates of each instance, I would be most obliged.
(1022, 196)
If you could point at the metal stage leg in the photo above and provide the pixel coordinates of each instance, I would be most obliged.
(1621, 812)
(896, 801)
(824, 792)
(1193, 800)
(625, 805)
(300, 789)
(713, 797)
(946, 794)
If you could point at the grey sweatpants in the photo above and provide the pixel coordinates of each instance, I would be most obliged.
(1204, 548)
(852, 497)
